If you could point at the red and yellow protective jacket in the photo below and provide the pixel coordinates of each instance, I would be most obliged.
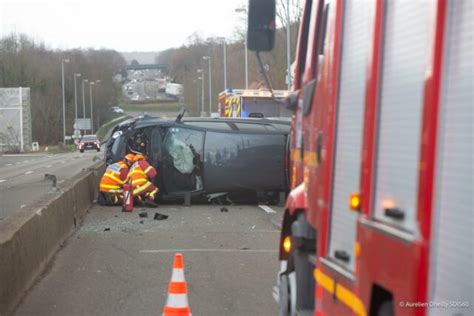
(140, 173)
(114, 177)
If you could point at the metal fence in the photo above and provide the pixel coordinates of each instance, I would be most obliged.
(15, 119)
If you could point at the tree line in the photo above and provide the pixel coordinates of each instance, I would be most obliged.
(27, 63)
(185, 61)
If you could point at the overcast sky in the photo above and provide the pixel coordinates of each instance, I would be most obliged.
(133, 25)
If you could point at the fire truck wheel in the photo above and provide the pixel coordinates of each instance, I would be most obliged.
(304, 280)
(287, 293)
(385, 309)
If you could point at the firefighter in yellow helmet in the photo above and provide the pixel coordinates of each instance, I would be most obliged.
(140, 177)
(111, 184)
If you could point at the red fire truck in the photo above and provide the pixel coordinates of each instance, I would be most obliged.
(380, 218)
(252, 103)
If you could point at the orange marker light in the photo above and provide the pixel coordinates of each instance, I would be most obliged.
(357, 249)
(354, 201)
(287, 244)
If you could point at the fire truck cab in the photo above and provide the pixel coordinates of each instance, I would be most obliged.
(252, 103)
(380, 218)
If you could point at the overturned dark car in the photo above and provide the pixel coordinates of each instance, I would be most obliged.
(213, 159)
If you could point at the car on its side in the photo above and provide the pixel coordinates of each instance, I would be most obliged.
(209, 157)
(89, 142)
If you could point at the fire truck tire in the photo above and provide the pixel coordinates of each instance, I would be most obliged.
(304, 280)
(286, 300)
(385, 309)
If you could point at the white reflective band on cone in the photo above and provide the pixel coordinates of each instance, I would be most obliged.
(177, 275)
(177, 300)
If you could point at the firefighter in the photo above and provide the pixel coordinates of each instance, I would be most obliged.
(111, 184)
(140, 175)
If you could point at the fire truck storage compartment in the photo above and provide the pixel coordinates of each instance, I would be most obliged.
(408, 27)
(355, 49)
(451, 257)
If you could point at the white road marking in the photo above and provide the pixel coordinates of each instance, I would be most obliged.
(48, 166)
(2, 181)
(60, 181)
(22, 206)
(25, 161)
(29, 172)
(267, 209)
(209, 250)
(9, 164)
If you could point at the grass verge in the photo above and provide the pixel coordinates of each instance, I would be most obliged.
(57, 149)
(104, 129)
(152, 107)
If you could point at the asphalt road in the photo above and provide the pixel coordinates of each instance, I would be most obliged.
(22, 176)
(117, 265)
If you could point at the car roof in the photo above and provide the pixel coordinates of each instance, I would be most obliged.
(151, 121)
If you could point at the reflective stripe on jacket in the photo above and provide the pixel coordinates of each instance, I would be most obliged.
(140, 173)
(114, 177)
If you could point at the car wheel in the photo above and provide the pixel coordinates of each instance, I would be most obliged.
(82, 150)
(98, 149)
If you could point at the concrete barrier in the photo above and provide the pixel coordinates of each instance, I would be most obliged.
(31, 236)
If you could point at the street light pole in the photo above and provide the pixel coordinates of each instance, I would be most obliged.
(208, 58)
(225, 64)
(75, 96)
(288, 50)
(201, 71)
(98, 105)
(246, 63)
(244, 10)
(225, 60)
(92, 107)
(64, 100)
(83, 99)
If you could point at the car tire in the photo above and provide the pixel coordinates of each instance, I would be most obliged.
(81, 150)
(98, 149)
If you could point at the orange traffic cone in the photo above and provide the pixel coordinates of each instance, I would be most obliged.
(177, 302)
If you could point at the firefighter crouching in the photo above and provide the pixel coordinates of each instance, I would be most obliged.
(140, 175)
(111, 184)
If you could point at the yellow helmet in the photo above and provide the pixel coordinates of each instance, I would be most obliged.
(130, 158)
(139, 157)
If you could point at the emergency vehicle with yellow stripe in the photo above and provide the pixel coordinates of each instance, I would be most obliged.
(252, 103)
(379, 220)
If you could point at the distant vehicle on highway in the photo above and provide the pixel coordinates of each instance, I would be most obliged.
(174, 90)
(209, 157)
(117, 109)
(89, 142)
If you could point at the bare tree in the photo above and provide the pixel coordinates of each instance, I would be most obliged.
(26, 63)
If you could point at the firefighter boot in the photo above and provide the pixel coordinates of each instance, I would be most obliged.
(150, 198)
